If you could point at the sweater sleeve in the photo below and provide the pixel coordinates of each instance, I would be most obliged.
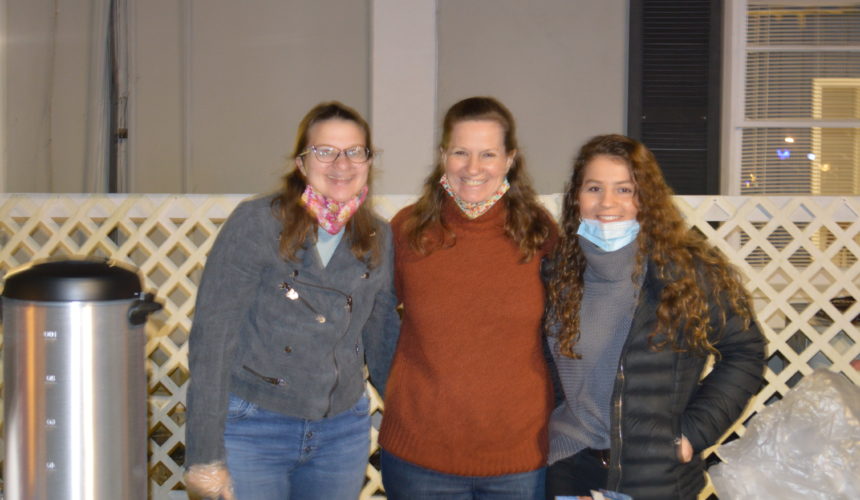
(548, 329)
(382, 329)
(224, 299)
(724, 393)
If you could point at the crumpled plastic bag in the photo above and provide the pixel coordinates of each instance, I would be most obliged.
(600, 494)
(806, 445)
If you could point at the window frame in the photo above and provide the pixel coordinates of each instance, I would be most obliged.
(734, 83)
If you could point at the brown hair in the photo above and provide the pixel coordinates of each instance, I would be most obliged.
(681, 258)
(298, 225)
(527, 224)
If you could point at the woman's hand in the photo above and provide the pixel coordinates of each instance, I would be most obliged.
(684, 449)
(209, 481)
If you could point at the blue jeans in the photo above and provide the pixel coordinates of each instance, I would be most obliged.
(405, 481)
(272, 456)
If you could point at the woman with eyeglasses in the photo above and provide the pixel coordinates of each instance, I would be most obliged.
(296, 293)
(469, 396)
(637, 303)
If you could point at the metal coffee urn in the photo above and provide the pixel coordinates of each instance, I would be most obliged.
(75, 406)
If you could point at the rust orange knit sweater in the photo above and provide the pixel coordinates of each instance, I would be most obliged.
(469, 391)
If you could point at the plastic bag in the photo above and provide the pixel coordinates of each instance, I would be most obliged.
(599, 495)
(806, 445)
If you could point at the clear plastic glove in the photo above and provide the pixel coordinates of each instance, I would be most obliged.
(210, 481)
(803, 446)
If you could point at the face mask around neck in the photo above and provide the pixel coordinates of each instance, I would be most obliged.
(611, 236)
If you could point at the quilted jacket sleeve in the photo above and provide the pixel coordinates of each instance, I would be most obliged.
(723, 394)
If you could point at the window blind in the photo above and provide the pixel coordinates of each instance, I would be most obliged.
(801, 125)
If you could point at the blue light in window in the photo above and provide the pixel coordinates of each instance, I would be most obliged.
(783, 154)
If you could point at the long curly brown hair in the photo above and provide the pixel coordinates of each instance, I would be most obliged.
(681, 258)
(300, 226)
(527, 223)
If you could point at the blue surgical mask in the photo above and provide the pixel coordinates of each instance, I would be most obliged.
(611, 236)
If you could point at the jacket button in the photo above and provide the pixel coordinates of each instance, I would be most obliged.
(288, 349)
(365, 275)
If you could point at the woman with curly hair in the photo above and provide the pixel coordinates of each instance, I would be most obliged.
(469, 393)
(637, 304)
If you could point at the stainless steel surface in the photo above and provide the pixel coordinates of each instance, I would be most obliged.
(75, 401)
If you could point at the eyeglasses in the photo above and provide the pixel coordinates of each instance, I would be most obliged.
(329, 154)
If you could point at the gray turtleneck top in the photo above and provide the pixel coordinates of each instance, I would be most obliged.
(606, 312)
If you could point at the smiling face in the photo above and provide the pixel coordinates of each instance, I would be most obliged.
(343, 179)
(608, 192)
(476, 162)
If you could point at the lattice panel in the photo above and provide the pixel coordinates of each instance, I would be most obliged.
(799, 256)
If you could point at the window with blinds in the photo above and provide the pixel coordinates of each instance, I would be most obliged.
(799, 132)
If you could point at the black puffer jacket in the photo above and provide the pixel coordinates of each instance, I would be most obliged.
(658, 396)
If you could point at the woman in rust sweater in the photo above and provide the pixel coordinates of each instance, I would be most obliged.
(469, 393)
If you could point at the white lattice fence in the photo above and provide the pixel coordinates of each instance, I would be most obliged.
(799, 255)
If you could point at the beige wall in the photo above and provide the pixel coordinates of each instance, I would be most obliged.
(559, 65)
(403, 98)
(47, 76)
(156, 145)
(221, 86)
(217, 86)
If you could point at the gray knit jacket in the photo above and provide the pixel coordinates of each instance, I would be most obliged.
(289, 336)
